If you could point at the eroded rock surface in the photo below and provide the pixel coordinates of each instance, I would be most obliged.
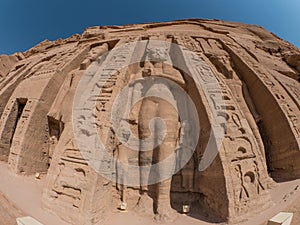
(259, 77)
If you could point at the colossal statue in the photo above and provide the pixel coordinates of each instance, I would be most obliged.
(153, 159)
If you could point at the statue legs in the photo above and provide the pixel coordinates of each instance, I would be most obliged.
(122, 171)
(150, 109)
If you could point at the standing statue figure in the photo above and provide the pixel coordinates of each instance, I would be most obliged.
(185, 143)
(155, 84)
(152, 107)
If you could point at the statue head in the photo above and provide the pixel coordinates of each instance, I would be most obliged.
(157, 54)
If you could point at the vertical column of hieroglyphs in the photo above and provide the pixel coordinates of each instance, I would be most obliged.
(280, 114)
(240, 155)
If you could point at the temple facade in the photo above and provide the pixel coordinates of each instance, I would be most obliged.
(258, 78)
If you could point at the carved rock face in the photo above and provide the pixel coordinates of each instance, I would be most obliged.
(158, 54)
(258, 113)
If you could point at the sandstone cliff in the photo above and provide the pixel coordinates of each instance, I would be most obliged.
(258, 75)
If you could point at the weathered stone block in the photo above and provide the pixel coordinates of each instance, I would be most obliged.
(27, 221)
(281, 218)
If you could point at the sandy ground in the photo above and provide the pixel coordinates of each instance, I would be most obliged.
(295, 208)
(21, 196)
(8, 212)
(25, 193)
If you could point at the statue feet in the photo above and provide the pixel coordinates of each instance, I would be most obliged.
(165, 213)
(145, 204)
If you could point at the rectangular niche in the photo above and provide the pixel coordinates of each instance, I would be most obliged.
(56, 128)
(10, 127)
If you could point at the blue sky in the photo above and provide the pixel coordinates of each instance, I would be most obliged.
(24, 23)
